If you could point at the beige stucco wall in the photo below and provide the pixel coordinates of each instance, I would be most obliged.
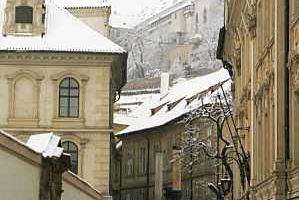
(97, 91)
(71, 192)
(76, 189)
(96, 23)
(19, 179)
(95, 18)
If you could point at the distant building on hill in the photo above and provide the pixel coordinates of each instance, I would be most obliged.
(173, 36)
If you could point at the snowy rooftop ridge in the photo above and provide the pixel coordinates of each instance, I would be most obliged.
(60, 28)
(177, 102)
(83, 3)
(164, 8)
(46, 144)
(43, 144)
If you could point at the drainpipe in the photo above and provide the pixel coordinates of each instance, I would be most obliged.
(287, 130)
(147, 168)
(120, 175)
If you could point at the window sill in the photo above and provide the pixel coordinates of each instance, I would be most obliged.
(66, 122)
(23, 122)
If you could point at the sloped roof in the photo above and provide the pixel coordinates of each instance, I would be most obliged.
(83, 3)
(181, 99)
(64, 33)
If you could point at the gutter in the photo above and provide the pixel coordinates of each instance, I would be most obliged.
(287, 99)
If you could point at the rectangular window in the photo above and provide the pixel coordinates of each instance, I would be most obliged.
(142, 161)
(24, 14)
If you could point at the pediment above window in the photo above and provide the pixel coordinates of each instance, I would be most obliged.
(74, 74)
(20, 73)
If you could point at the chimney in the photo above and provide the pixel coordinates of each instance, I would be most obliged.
(164, 84)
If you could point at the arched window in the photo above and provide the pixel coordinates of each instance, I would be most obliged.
(24, 14)
(72, 149)
(69, 98)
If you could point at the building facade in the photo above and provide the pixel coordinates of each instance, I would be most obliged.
(261, 51)
(59, 75)
(158, 129)
(134, 183)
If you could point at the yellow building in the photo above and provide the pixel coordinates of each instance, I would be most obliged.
(261, 50)
(59, 75)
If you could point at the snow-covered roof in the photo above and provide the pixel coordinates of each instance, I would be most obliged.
(45, 144)
(181, 99)
(83, 3)
(162, 9)
(64, 33)
(124, 119)
(170, 10)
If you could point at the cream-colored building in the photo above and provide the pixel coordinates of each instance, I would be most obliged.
(59, 75)
(261, 46)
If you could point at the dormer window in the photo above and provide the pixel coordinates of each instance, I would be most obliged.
(24, 15)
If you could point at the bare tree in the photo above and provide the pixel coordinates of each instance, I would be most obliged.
(216, 110)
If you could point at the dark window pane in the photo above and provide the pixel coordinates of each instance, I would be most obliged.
(72, 149)
(64, 83)
(74, 102)
(64, 101)
(74, 92)
(64, 92)
(64, 145)
(73, 83)
(63, 112)
(24, 14)
(74, 112)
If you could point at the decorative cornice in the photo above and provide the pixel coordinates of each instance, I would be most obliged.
(90, 11)
(54, 58)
